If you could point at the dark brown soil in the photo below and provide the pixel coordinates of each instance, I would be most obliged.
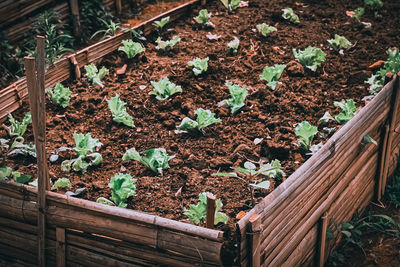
(268, 114)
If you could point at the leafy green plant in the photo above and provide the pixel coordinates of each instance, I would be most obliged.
(376, 4)
(197, 213)
(234, 45)
(265, 30)
(305, 132)
(231, 5)
(131, 48)
(204, 118)
(159, 24)
(311, 57)
(167, 45)
(348, 110)
(123, 187)
(118, 110)
(85, 146)
(358, 12)
(110, 29)
(164, 89)
(18, 128)
(156, 159)
(272, 75)
(61, 183)
(59, 95)
(8, 173)
(339, 42)
(199, 65)
(238, 96)
(393, 191)
(289, 15)
(376, 83)
(94, 75)
(18, 147)
(204, 18)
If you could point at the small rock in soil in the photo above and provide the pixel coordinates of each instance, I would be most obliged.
(295, 69)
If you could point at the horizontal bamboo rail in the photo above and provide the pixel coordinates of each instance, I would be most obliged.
(316, 185)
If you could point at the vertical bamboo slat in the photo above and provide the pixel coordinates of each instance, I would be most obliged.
(322, 243)
(60, 246)
(210, 211)
(382, 155)
(255, 231)
(74, 6)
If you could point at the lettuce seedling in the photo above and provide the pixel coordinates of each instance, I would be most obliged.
(199, 65)
(204, 118)
(272, 75)
(85, 146)
(305, 132)
(156, 159)
(197, 213)
(376, 4)
(326, 118)
(123, 187)
(164, 89)
(94, 75)
(19, 148)
(18, 128)
(358, 12)
(339, 42)
(119, 113)
(161, 23)
(311, 57)
(7, 173)
(60, 95)
(131, 48)
(348, 110)
(167, 45)
(392, 64)
(376, 83)
(204, 18)
(265, 30)
(61, 183)
(238, 96)
(289, 15)
(234, 45)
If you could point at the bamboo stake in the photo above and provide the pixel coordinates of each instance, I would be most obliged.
(324, 227)
(210, 211)
(60, 246)
(255, 231)
(118, 6)
(393, 120)
(75, 65)
(382, 153)
(74, 6)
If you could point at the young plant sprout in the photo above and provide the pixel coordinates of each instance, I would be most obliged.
(85, 146)
(94, 75)
(375, 4)
(122, 187)
(358, 12)
(238, 97)
(167, 45)
(204, 18)
(199, 65)
(197, 213)
(265, 30)
(348, 110)
(204, 118)
(249, 172)
(118, 110)
(305, 132)
(156, 159)
(339, 42)
(61, 183)
(164, 89)
(18, 128)
(111, 29)
(131, 48)
(7, 173)
(159, 24)
(289, 15)
(234, 45)
(311, 57)
(272, 75)
(59, 95)
(233, 5)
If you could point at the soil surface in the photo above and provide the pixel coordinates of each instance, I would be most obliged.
(270, 115)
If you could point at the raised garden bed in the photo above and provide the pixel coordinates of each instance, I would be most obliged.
(270, 115)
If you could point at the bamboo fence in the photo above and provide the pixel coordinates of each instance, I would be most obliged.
(287, 228)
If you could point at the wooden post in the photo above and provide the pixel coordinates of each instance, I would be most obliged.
(392, 128)
(60, 247)
(322, 243)
(74, 6)
(255, 232)
(210, 211)
(75, 66)
(35, 82)
(118, 6)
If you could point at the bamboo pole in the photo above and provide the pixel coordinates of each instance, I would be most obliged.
(210, 211)
(322, 243)
(255, 231)
(74, 6)
(382, 154)
(118, 6)
(60, 249)
(75, 66)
